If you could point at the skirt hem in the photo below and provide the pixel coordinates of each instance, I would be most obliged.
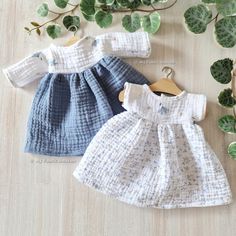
(209, 203)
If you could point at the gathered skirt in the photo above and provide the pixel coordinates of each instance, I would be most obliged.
(69, 109)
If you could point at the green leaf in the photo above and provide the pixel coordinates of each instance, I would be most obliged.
(38, 31)
(197, 18)
(131, 22)
(232, 150)
(106, 2)
(209, 1)
(88, 7)
(27, 28)
(227, 124)
(123, 3)
(221, 70)
(72, 23)
(147, 2)
(151, 23)
(132, 4)
(158, 1)
(103, 19)
(61, 3)
(226, 7)
(43, 10)
(54, 31)
(226, 99)
(225, 31)
(88, 18)
(34, 24)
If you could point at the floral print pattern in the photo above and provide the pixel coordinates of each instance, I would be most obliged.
(154, 155)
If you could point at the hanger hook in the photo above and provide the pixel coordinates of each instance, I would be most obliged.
(75, 29)
(171, 71)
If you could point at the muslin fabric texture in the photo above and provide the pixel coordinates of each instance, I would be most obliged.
(78, 91)
(155, 155)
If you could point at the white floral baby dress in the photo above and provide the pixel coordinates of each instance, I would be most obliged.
(154, 155)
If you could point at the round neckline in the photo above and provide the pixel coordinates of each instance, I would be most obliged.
(182, 94)
(74, 45)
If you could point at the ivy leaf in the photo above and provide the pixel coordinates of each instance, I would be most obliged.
(72, 23)
(225, 31)
(132, 4)
(226, 99)
(221, 70)
(147, 2)
(88, 18)
(106, 2)
(131, 22)
(54, 31)
(197, 18)
(61, 3)
(232, 150)
(88, 7)
(226, 7)
(227, 124)
(151, 23)
(43, 10)
(103, 19)
(123, 3)
(209, 1)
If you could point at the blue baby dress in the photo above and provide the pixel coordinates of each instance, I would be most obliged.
(155, 155)
(78, 90)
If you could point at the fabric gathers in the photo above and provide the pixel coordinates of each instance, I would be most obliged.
(78, 91)
(148, 151)
(153, 155)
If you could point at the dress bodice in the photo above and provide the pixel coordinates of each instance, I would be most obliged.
(78, 57)
(163, 109)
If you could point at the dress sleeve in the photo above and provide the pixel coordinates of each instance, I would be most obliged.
(199, 107)
(132, 95)
(27, 70)
(125, 44)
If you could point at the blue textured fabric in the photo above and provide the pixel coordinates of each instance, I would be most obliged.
(69, 109)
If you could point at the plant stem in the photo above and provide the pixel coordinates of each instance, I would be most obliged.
(233, 87)
(54, 12)
(104, 8)
(107, 8)
(55, 18)
(215, 18)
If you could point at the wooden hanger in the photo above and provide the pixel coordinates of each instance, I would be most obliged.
(164, 85)
(72, 40)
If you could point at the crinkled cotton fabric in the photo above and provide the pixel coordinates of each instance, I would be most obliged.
(78, 91)
(155, 155)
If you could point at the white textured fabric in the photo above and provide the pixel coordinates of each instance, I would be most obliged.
(78, 57)
(154, 155)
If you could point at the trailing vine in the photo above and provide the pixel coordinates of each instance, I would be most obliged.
(223, 71)
(101, 11)
(197, 19)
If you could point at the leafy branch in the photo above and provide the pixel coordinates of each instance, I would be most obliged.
(101, 12)
(223, 71)
(198, 17)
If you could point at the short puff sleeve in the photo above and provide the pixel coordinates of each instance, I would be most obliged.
(132, 96)
(199, 102)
